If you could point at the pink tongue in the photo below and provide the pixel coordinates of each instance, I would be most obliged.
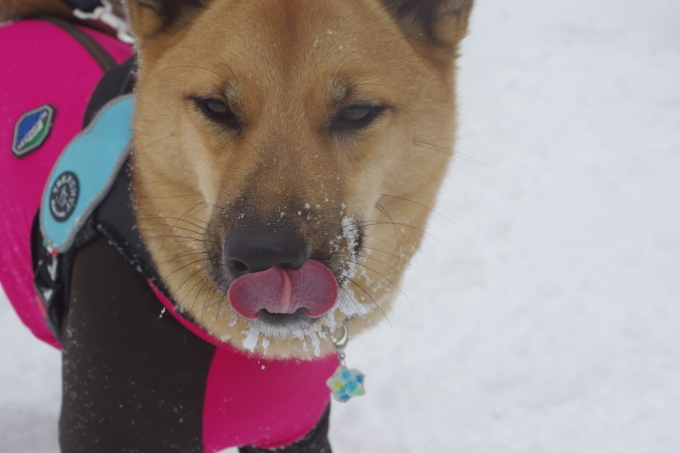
(277, 290)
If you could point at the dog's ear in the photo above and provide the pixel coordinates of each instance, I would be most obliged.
(150, 18)
(442, 22)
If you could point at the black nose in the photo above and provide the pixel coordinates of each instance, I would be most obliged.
(254, 251)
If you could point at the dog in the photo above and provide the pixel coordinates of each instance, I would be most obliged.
(285, 158)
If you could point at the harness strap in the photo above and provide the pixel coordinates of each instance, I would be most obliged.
(117, 81)
(96, 51)
(52, 270)
(115, 219)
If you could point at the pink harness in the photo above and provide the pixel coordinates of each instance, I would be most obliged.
(45, 86)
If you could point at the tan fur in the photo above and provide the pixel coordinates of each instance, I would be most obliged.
(281, 64)
(17, 9)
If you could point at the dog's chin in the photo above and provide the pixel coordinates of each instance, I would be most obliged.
(280, 325)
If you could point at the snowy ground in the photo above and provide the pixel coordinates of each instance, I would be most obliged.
(548, 320)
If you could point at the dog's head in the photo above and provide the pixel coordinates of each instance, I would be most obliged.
(286, 153)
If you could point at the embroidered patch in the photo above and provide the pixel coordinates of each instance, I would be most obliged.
(32, 129)
(64, 196)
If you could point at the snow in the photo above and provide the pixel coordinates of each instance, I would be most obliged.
(549, 319)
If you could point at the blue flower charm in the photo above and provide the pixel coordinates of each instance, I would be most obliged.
(346, 383)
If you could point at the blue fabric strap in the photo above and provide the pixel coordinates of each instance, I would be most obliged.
(85, 172)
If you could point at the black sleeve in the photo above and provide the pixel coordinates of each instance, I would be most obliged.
(133, 381)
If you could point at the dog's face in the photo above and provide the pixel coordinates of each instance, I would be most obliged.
(286, 153)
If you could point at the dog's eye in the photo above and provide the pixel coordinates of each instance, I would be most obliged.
(215, 107)
(355, 114)
(355, 117)
(218, 111)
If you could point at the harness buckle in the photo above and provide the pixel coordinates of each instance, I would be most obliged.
(105, 15)
(48, 288)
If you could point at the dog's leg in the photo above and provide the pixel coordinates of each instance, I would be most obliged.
(316, 441)
(133, 381)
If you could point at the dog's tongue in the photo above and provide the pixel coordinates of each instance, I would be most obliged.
(278, 290)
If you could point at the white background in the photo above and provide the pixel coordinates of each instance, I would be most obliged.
(547, 316)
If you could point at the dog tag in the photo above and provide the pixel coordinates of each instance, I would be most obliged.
(345, 383)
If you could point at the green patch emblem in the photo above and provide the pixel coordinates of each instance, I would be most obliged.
(32, 129)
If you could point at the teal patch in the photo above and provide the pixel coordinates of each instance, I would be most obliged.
(32, 129)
